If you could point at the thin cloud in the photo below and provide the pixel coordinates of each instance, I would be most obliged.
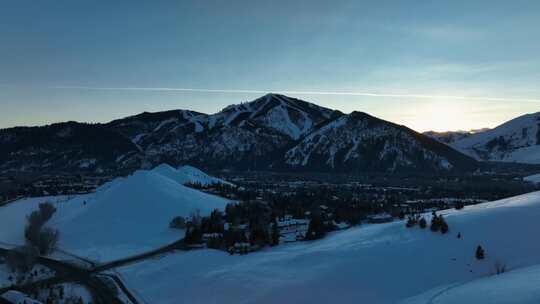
(367, 94)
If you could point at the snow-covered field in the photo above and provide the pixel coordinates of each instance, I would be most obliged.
(385, 263)
(124, 217)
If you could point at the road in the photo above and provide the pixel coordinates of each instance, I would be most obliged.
(178, 245)
(66, 273)
(102, 294)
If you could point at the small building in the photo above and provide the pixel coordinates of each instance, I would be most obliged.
(212, 236)
(291, 229)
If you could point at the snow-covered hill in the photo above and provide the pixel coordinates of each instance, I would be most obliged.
(126, 216)
(384, 263)
(517, 140)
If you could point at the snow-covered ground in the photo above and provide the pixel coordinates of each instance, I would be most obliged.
(380, 263)
(515, 287)
(13, 217)
(124, 217)
(8, 277)
(533, 179)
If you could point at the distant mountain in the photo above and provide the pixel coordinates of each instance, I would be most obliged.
(243, 136)
(69, 146)
(360, 142)
(274, 132)
(450, 137)
(517, 140)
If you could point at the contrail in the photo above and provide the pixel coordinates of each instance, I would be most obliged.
(368, 94)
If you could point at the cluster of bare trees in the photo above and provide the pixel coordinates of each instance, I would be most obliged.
(43, 238)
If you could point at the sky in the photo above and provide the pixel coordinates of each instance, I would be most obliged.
(430, 65)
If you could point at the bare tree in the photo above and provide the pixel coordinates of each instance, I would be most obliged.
(48, 239)
(499, 267)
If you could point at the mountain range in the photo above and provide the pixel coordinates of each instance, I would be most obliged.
(517, 140)
(273, 132)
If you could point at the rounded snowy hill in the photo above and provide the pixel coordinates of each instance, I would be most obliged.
(379, 263)
(130, 215)
(124, 217)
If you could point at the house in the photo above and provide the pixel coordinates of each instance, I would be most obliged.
(291, 230)
(209, 236)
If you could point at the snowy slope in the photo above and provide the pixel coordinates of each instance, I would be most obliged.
(533, 178)
(13, 217)
(384, 263)
(129, 217)
(286, 115)
(362, 142)
(187, 174)
(239, 136)
(517, 140)
(124, 217)
(515, 287)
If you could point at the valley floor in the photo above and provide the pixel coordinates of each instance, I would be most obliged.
(375, 263)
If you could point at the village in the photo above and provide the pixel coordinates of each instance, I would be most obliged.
(269, 214)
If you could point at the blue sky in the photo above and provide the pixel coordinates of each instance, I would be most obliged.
(429, 64)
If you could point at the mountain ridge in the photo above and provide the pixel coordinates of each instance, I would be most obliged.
(269, 133)
(517, 140)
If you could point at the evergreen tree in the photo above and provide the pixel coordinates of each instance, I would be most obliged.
(480, 254)
(435, 223)
(275, 233)
(316, 229)
(193, 229)
(422, 223)
(443, 224)
(411, 221)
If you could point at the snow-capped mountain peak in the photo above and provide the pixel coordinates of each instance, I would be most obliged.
(289, 116)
